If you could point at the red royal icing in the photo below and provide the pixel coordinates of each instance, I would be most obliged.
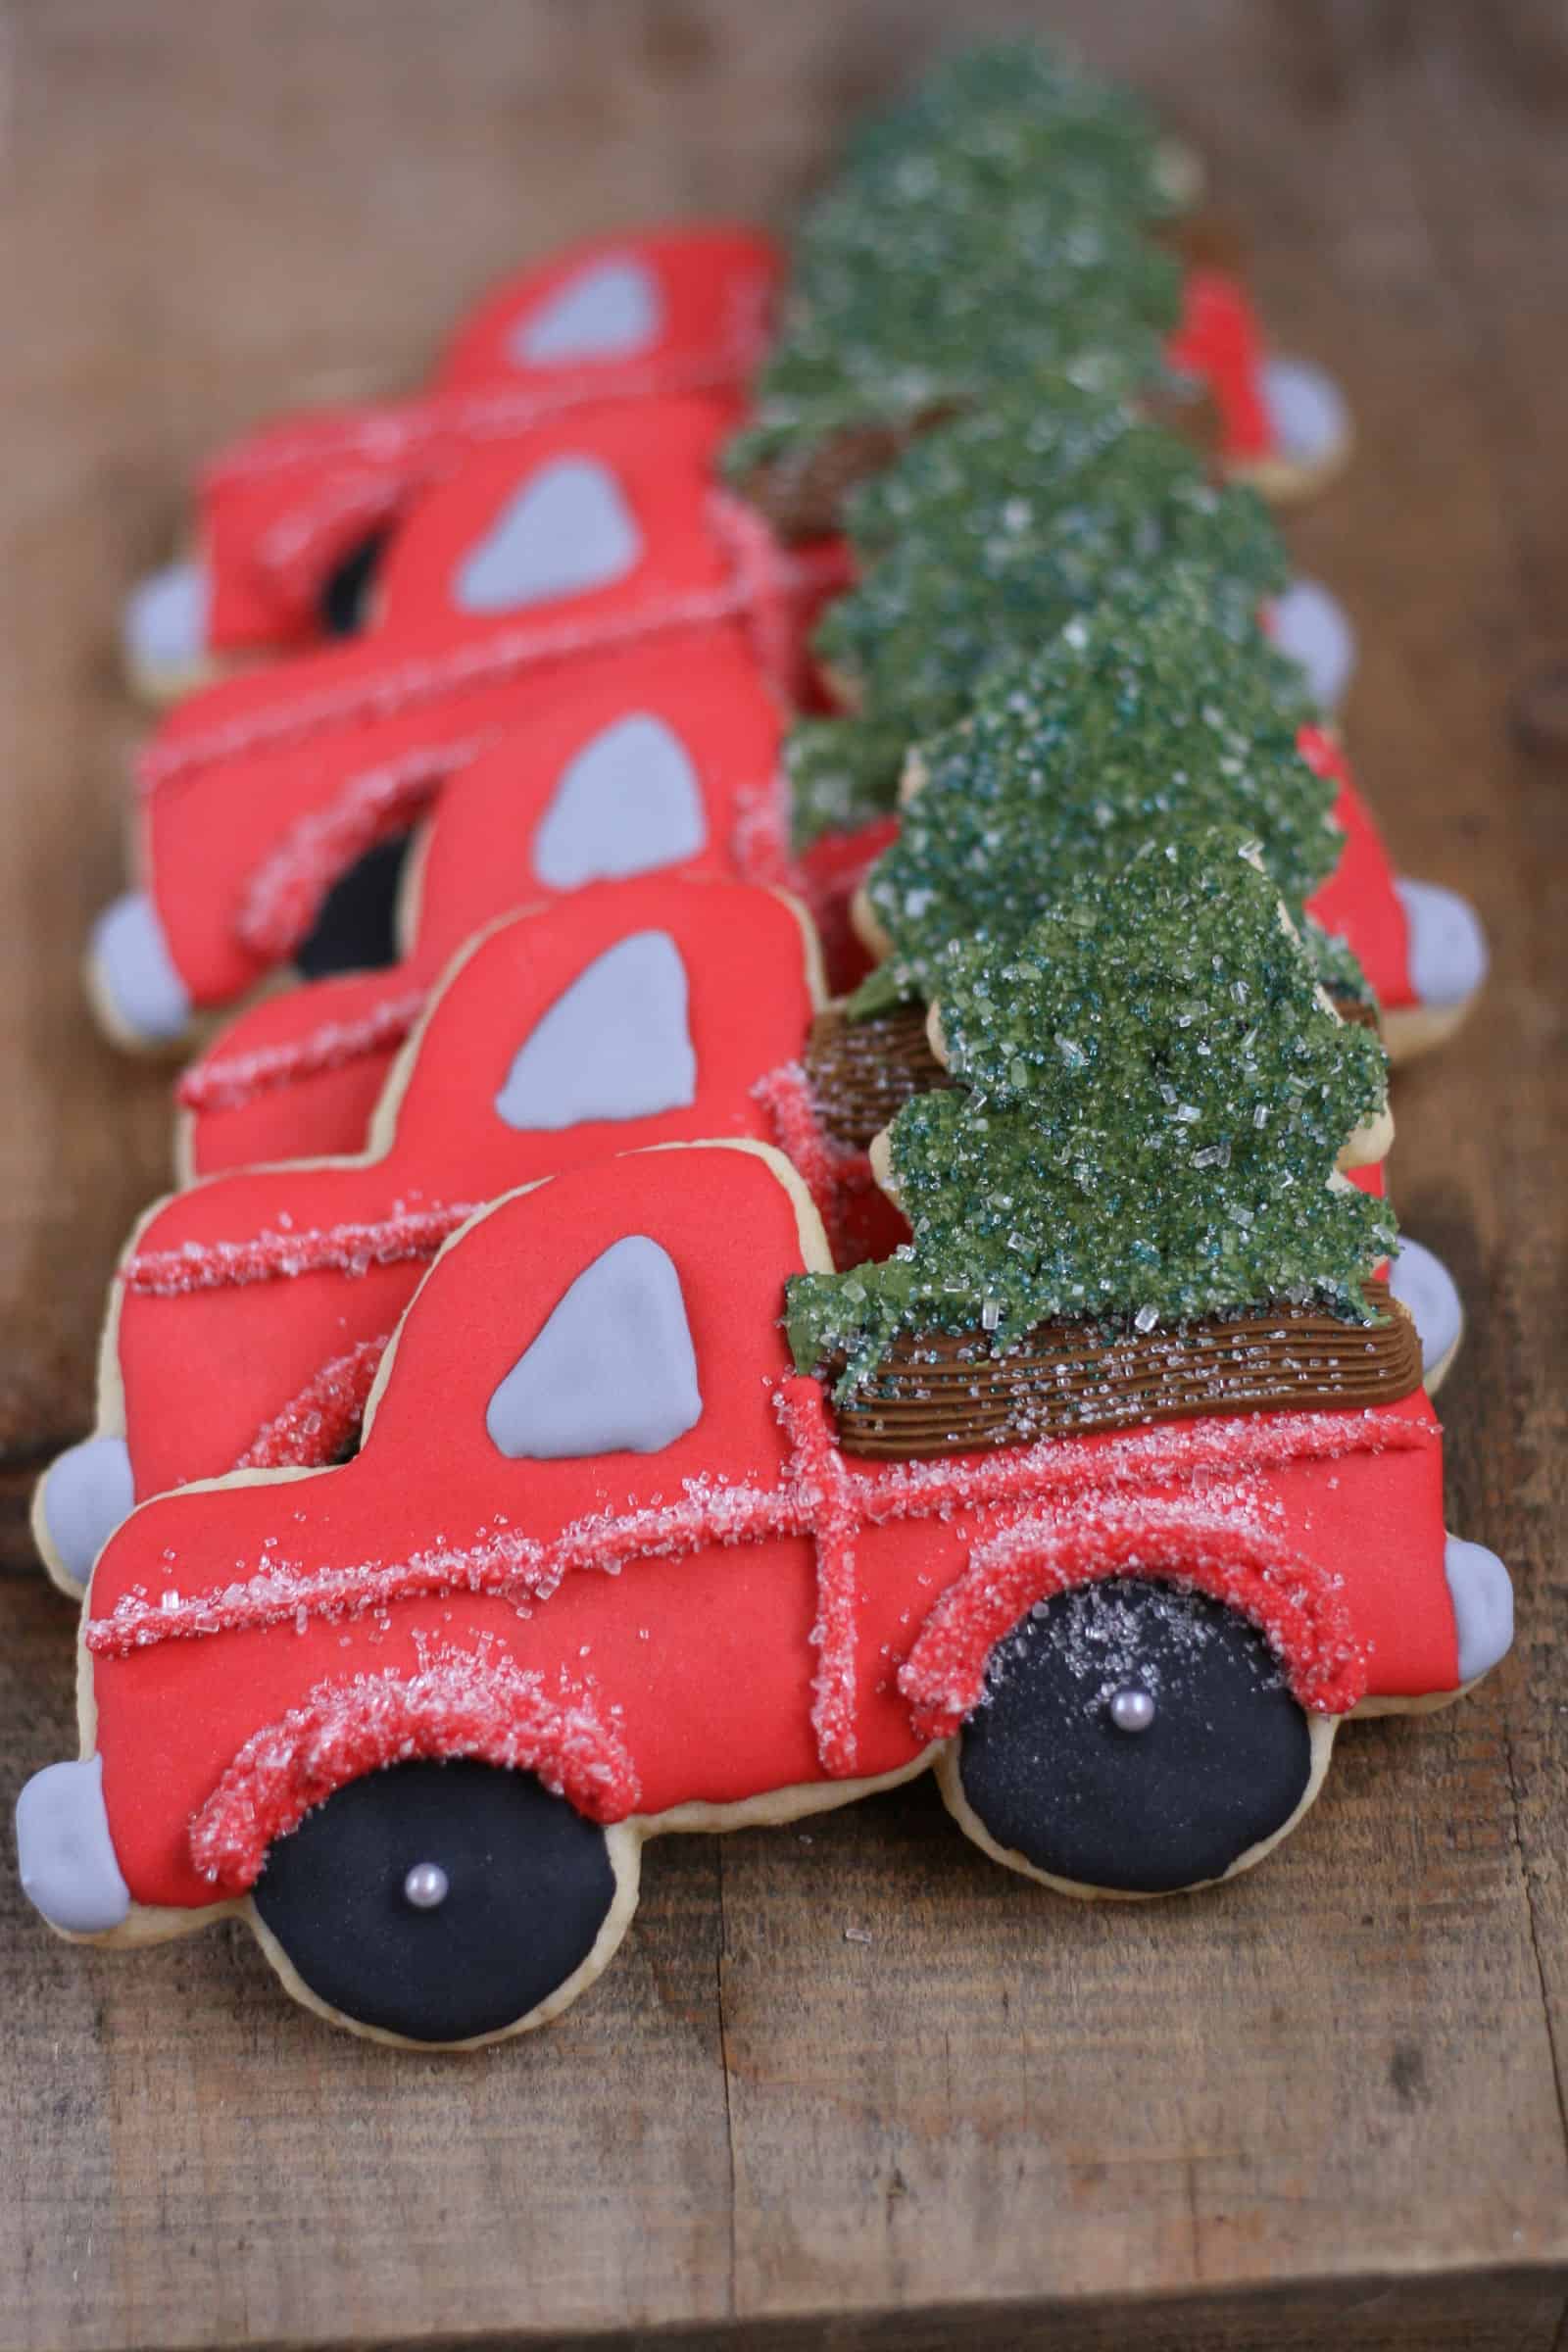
(738, 1607)
(832, 870)
(298, 1074)
(860, 1219)
(1359, 901)
(281, 510)
(239, 1291)
(258, 791)
(1220, 340)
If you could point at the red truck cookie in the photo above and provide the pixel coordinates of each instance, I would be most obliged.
(1421, 946)
(250, 1311)
(636, 765)
(291, 521)
(600, 532)
(601, 1569)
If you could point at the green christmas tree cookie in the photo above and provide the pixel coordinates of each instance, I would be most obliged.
(984, 234)
(901, 313)
(1153, 1099)
(978, 545)
(1143, 712)
(1018, 110)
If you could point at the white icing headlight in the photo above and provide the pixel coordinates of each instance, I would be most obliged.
(143, 997)
(1482, 1593)
(86, 1492)
(163, 626)
(1311, 627)
(1305, 408)
(1447, 945)
(65, 1852)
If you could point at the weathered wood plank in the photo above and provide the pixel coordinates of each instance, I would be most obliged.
(1002, 2115)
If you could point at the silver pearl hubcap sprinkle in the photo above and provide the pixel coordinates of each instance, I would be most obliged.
(1132, 1709)
(425, 1887)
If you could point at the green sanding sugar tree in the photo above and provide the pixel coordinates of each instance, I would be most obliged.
(979, 545)
(1021, 445)
(1017, 110)
(1151, 1099)
(898, 313)
(1143, 712)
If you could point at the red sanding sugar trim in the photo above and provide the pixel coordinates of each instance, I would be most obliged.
(397, 431)
(438, 427)
(360, 507)
(829, 1170)
(769, 580)
(786, 1096)
(286, 892)
(228, 1081)
(760, 844)
(509, 1564)
(277, 1255)
(406, 685)
(491, 661)
(819, 1468)
(1066, 1468)
(460, 1704)
(1295, 1604)
(313, 1427)
(290, 552)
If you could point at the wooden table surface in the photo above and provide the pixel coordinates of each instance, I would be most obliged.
(846, 2084)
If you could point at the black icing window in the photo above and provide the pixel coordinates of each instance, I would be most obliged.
(356, 930)
(346, 591)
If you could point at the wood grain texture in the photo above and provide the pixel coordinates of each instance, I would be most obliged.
(1325, 2107)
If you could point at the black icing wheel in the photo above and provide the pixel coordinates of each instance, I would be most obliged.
(357, 927)
(1135, 1738)
(439, 1900)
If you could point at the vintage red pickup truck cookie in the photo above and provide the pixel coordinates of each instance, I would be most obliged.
(291, 521)
(1421, 946)
(595, 533)
(299, 1072)
(605, 1567)
(635, 766)
(248, 1313)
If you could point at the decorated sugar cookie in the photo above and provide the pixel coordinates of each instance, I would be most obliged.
(599, 533)
(248, 1313)
(292, 521)
(606, 1565)
(1144, 711)
(637, 766)
(995, 232)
